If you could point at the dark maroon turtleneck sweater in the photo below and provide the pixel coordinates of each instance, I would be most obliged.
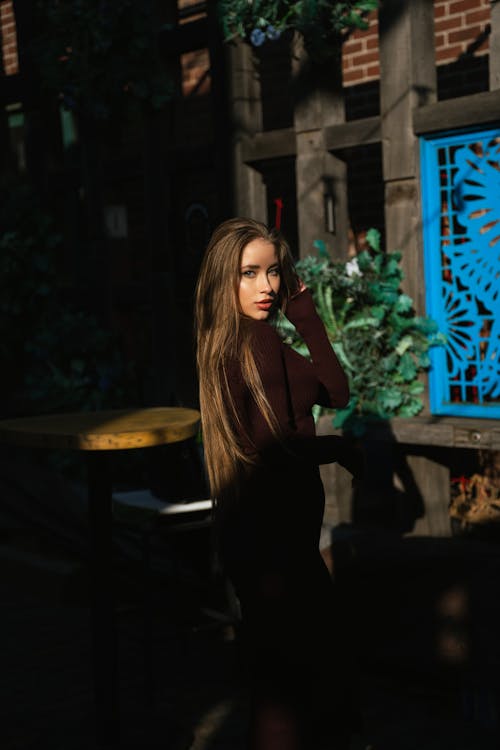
(292, 384)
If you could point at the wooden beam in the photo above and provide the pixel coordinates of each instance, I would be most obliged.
(272, 144)
(476, 109)
(432, 483)
(352, 134)
(321, 176)
(245, 115)
(494, 61)
(444, 432)
(406, 36)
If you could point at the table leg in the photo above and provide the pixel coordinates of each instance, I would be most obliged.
(104, 648)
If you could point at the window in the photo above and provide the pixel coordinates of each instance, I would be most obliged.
(461, 221)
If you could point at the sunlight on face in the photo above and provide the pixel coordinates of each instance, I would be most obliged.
(259, 279)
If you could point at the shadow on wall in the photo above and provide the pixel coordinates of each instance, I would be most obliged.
(389, 497)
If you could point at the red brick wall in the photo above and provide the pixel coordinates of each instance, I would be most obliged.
(360, 61)
(10, 62)
(195, 75)
(459, 26)
(195, 64)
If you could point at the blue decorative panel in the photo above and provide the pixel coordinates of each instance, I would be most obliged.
(461, 225)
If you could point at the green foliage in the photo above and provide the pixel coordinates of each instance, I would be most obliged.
(322, 23)
(54, 356)
(381, 343)
(96, 54)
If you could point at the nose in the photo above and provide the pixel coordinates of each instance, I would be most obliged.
(265, 284)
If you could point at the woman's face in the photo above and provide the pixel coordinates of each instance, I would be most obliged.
(259, 279)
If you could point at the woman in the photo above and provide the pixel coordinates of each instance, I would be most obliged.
(262, 458)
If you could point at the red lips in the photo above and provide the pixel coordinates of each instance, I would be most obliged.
(265, 304)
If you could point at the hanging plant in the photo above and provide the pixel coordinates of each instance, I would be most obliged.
(322, 24)
(380, 342)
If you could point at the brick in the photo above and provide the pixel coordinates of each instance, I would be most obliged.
(368, 57)
(6, 10)
(353, 76)
(360, 34)
(449, 23)
(351, 47)
(478, 16)
(449, 53)
(440, 41)
(462, 6)
(372, 43)
(373, 71)
(464, 35)
(439, 10)
(189, 86)
(483, 47)
(372, 27)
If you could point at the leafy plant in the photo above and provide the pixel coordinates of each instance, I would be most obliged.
(322, 23)
(94, 54)
(380, 342)
(54, 354)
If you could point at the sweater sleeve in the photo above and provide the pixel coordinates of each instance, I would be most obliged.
(334, 391)
(254, 434)
(256, 438)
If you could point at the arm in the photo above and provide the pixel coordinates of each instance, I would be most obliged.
(255, 436)
(334, 385)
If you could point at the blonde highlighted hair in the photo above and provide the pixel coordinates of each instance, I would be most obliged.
(221, 336)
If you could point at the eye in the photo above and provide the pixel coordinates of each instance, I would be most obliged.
(274, 272)
(249, 273)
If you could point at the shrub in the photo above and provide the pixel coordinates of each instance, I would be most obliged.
(380, 341)
(55, 355)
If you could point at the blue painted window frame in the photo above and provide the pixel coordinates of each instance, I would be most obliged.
(439, 387)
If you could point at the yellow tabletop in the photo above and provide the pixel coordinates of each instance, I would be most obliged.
(103, 430)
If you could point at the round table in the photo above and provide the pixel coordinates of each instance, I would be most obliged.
(97, 433)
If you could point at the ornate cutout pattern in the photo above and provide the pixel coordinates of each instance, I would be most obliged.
(462, 253)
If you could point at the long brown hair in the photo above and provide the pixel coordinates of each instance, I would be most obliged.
(221, 335)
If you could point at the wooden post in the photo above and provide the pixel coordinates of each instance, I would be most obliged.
(495, 46)
(407, 81)
(321, 176)
(433, 482)
(249, 194)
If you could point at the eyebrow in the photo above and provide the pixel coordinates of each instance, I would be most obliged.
(248, 265)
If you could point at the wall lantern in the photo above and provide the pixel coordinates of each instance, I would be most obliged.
(329, 205)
